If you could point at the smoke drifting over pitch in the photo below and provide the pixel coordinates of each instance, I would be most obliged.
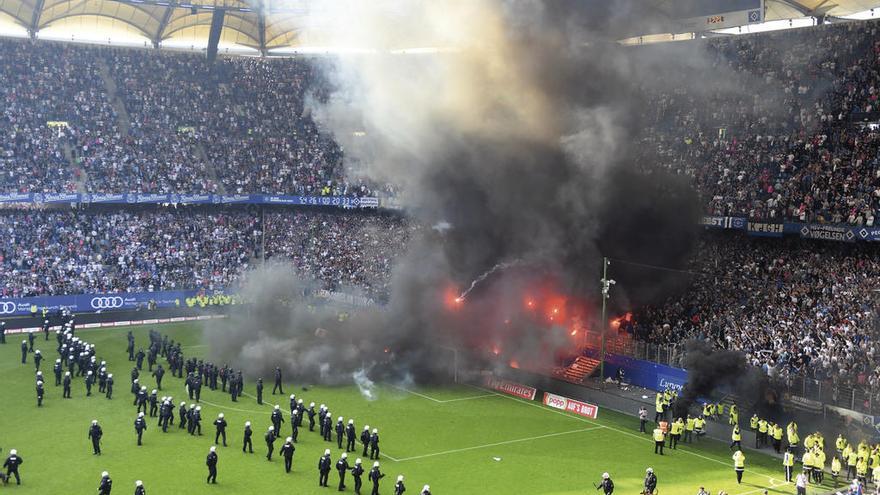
(520, 137)
(712, 371)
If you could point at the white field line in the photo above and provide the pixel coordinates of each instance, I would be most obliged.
(627, 433)
(432, 399)
(774, 483)
(507, 442)
(270, 406)
(228, 408)
(483, 396)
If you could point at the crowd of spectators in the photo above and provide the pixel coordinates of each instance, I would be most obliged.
(343, 252)
(769, 133)
(238, 126)
(157, 122)
(793, 307)
(786, 140)
(71, 252)
(46, 252)
(42, 84)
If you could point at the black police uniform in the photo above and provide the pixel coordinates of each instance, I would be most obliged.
(356, 472)
(287, 451)
(311, 414)
(105, 486)
(340, 433)
(276, 418)
(95, 434)
(270, 444)
(365, 439)
(248, 444)
(220, 423)
(159, 373)
(277, 382)
(351, 437)
(374, 446)
(342, 468)
(211, 462)
(323, 469)
(375, 475)
(11, 464)
(139, 426)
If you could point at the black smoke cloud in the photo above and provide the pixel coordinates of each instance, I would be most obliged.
(519, 139)
(712, 372)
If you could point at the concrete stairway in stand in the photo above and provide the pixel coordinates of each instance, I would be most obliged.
(579, 370)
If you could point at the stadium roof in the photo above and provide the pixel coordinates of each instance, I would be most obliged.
(158, 20)
(662, 16)
(271, 24)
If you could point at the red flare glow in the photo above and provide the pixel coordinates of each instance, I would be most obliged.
(452, 299)
(514, 364)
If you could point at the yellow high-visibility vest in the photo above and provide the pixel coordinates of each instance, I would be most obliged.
(659, 436)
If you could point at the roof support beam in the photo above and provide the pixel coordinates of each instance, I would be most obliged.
(35, 18)
(163, 23)
(261, 26)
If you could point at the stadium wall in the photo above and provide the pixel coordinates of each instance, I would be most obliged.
(97, 303)
(614, 399)
(644, 374)
(117, 318)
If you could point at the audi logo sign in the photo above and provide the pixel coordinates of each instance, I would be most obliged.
(7, 307)
(111, 302)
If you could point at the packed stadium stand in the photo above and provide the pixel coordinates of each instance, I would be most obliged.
(72, 252)
(790, 146)
(131, 120)
(799, 308)
(156, 122)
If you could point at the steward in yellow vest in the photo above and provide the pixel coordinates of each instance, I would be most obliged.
(788, 465)
(689, 429)
(736, 438)
(675, 432)
(659, 440)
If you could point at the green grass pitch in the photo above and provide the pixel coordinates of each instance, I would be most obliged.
(459, 439)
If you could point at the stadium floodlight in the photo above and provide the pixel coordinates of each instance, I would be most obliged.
(606, 284)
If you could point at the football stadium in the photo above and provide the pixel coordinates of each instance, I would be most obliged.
(455, 247)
